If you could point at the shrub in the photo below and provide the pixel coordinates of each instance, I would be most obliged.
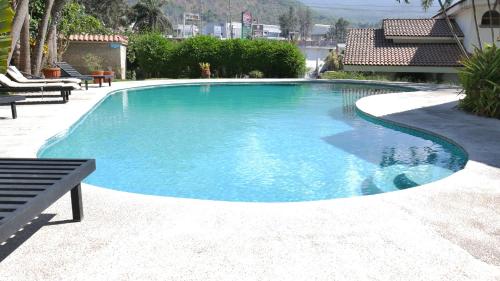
(333, 62)
(480, 79)
(156, 56)
(256, 74)
(151, 55)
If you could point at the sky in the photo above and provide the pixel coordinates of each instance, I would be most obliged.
(370, 10)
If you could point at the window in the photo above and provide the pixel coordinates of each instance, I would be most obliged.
(494, 16)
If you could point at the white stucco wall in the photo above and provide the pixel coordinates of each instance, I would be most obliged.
(464, 17)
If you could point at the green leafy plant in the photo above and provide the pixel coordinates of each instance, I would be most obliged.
(75, 20)
(6, 16)
(480, 80)
(204, 66)
(93, 62)
(333, 62)
(153, 55)
(256, 74)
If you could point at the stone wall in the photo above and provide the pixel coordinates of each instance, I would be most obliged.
(113, 54)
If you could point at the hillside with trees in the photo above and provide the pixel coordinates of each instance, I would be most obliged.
(265, 11)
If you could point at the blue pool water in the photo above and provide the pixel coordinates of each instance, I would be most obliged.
(254, 143)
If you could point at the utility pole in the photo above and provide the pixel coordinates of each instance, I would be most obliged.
(201, 16)
(230, 21)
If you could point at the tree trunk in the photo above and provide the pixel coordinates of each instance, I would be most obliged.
(25, 59)
(476, 25)
(40, 38)
(450, 25)
(17, 24)
(56, 15)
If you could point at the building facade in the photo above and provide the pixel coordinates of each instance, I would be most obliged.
(111, 48)
(463, 14)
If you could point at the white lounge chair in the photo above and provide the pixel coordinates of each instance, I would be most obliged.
(18, 76)
(9, 86)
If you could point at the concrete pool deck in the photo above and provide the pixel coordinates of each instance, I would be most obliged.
(445, 230)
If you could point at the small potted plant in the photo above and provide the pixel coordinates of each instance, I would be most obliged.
(94, 65)
(205, 69)
(51, 71)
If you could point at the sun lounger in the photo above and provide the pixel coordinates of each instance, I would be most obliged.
(9, 86)
(29, 186)
(19, 77)
(68, 71)
(12, 101)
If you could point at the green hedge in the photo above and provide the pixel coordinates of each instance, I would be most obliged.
(153, 56)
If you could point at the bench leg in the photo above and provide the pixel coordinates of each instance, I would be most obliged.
(13, 109)
(109, 81)
(64, 97)
(76, 203)
(100, 82)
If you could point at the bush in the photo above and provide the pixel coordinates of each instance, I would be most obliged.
(350, 75)
(256, 74)
(333, 62)
(480, 79)
(150, 55)
(156, 56)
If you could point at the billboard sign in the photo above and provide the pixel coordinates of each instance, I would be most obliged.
(246, 25)
(258, 30)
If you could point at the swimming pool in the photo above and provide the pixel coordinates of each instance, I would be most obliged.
(252, 143)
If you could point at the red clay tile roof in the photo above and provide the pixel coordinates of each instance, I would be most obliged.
(369, 47)
(420, 28)
(99, 38)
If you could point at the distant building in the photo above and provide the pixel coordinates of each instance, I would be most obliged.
(319, 32)
(233, 28)
(223, 30)
(185, 31)
(423, 46)
(214, 29)
(272, 31)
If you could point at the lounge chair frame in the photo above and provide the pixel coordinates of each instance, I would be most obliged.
(29, 186)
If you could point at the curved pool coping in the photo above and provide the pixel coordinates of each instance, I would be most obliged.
(453, 220)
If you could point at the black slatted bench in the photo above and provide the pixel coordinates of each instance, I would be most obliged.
(29, 186)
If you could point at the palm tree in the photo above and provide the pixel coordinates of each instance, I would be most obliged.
(5, 34)
(149, 16)
(21, 9)
(40, 38)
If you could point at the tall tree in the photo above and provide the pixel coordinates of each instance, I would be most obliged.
(56, 15)
(40, 39)
(149, 16)
(338, 30)
(21, 9)
(304, 16)
(477, 25)
(25, 56)
(113, 13)
(341, 30)
(288, 22)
